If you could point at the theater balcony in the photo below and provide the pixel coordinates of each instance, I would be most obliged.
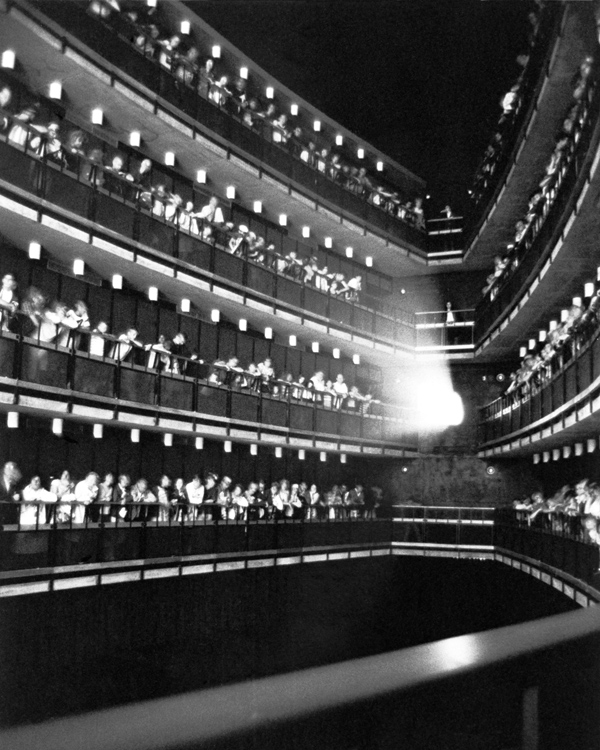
(100, 67)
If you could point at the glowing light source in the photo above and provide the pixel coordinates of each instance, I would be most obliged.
(369, 261)
(227, 446)
(531, 344)
(522, 351)
(317, 126)
(356, 359)
(591, 445)
(57, 426)
(577, 301)
(542, 335)
(151, 3)
(278, 452)
(244, 73)
(294, 110)
(243, 324)
(555, 454)
(186, 305)
(328, 242)
(135, 435)
(283, 220)
(301, 454)
(253, 449)
(230, 192)
(117, 281)
(536, 458)
(339, 139)
(135, 138)
(8, 59)
(268, 332)
(78, 267)
(315, 347)
(170, 159)
(566, 451)
(12, 420)
(323, 456)
(349, 252)
(55, 90)
(168, 439)
(216, 51)
(97, 116)
(343, 458)
(306, 232)
(270, 92)
(360, 152)
(153, 294)
(553, 325)
(98, 431)
(215, 315)
(379, 166)
(579, 449)
(564, 314)
(293, 340)
(546, 456)
(185, 27)
(201, 176)
(199, 443)
(35, 250)
(336, 353)
(257, 207)
(438, 405)
(589, 289)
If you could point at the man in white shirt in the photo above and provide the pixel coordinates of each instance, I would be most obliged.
(9, 303)
(195, 494)
(86, 492)
(341, 391)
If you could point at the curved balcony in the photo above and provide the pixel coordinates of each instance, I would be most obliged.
(152, 234)
(117, 50)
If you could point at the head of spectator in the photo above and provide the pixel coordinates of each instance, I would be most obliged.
(210, 481)
(11, 473)
(5, 96)
(9, 283)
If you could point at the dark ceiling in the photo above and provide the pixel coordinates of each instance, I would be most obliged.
(419, 79)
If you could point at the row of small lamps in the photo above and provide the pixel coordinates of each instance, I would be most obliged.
(185, 304)
(12, 422)
(566, 451)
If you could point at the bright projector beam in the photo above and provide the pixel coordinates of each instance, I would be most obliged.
(439, 408)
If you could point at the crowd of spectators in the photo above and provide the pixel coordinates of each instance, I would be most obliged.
(510, 104)
(544, 196)
(149, 34)
(117, 499)
(574, 510)
(561, 344)
(142, 185)
(54, 322)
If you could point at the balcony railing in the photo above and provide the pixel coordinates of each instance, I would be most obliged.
(116, 46)
(445, 330)
(76, 186)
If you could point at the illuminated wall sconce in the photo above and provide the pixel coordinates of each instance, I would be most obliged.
(97, 117)
(293, 340)
(201, 176)
(542, 336)
(12, 420)
(186, 305)
(168, 439)
(268, 333)
(253, 449)
(564, 314)
(555, 454)
(230, 192)
(369, 261)
(215, 315)
(135, 435)
(553, 325)
(339, 140)
(379, 166)
(360, 152)
(244, 73)
(317, 126)
(98, 431)
(55, 90)
(277, 136)
(199, 443)
(294, 110)
(170, 159)
(35, 250)
(278, 452)
(336, 353)
(151, 3)
(270, 92)
(589, 289)
(57, 426)
(135, 138)
(8, 59)
(566, 451)
(356, 359)
(532, 344)
(522, 351)
(536, 458)
(349, 252)
(185, 27)
(243, 324)
(216, 51)
(328, 242)
(598, 273)
(227, 446)
(283, 219)
(153, 294)
(315, 347)
(546, 456)
(117, 281)
(579, 449)
(591, 445)
(301, 454)
(343, 458)
(78, 267)
(577, 301)
(306, 232)
(323, 456)
(257, 207)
